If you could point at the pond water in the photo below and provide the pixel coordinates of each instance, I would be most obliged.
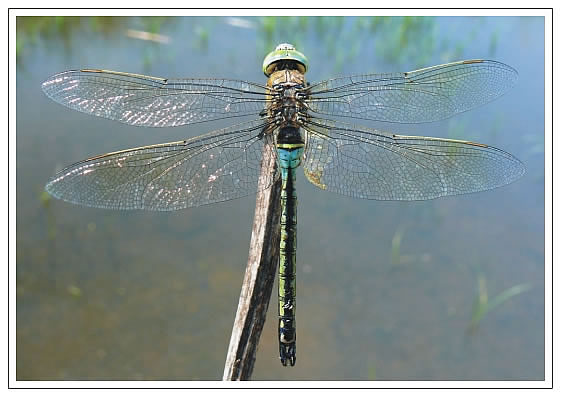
(386, 290)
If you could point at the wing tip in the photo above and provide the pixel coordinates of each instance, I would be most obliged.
(49, 189)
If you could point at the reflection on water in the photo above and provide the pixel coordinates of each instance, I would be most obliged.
(136, 295)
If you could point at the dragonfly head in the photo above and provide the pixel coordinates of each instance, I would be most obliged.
(285, 56)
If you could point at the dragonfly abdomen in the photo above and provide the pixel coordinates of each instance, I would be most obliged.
(290, 147)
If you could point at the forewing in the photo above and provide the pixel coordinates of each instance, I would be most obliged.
(422, 95)
(219, 166)
(371, 164)
(152, 101)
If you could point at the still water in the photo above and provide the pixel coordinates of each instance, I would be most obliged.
(386, 291)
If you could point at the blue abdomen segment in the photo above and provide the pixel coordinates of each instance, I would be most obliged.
(289, 155)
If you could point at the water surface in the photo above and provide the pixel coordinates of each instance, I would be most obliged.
(386, 290)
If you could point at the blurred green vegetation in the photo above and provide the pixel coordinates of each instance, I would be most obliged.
(394, 39)
(483, 305)
(35, 30)
(30, 30)
(396, 247)
(397, 258)
(413, 40)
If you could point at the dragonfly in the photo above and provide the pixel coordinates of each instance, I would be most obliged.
(299, 124)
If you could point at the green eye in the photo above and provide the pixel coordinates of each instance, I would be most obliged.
(284, 52)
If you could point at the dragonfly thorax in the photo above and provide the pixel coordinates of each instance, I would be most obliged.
(287, 99)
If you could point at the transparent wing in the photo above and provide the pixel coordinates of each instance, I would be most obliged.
(371, 164)
(219, 166)
(419, 96)
(152, 101)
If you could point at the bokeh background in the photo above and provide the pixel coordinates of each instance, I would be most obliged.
(450, 289)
